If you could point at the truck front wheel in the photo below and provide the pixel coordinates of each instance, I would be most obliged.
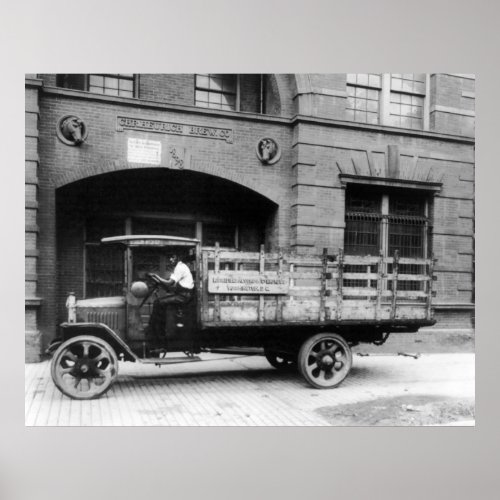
(84, 367)
(325, 360)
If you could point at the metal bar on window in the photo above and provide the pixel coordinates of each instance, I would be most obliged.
(395, 269)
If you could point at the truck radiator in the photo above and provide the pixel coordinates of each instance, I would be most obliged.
(109, 318)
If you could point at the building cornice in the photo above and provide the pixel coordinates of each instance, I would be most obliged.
(454, 306)
(145, 104)
(390, 182)
(424, 134)
(238, 115)
(33, 83)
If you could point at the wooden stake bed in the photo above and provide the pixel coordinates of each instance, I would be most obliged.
(258, 289)
(248, 300)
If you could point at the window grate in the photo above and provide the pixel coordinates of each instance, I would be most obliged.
(362, 233)
(104, 271)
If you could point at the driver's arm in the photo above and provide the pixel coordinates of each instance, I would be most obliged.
(162, 282)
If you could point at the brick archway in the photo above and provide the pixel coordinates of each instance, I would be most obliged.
(92, 170)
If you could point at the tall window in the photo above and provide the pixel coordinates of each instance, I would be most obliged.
(395, 99)
(119, 84)
(407, 100)
(385, 222)
(218, 91)
(104, 265)
(363, 97)
(224, 234)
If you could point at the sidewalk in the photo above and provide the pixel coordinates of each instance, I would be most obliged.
(434, 389)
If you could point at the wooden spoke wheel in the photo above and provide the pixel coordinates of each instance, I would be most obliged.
(280, 361)
(325, 360)
(84, 367)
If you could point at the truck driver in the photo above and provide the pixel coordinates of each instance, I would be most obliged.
(179, 287)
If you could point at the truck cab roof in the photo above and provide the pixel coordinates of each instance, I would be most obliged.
(146, 240)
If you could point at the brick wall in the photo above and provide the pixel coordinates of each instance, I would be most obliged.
(106, 150)
(452, 105)
(174, 88)
(319, 152)
(303, 188)
(180, 89)
(32, 301)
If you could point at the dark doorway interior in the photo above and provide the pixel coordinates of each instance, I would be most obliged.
(149, 201)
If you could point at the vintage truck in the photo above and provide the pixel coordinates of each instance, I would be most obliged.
(303, 310)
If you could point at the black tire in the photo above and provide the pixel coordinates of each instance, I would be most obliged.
(325, 360)
(280, 361)
(84, 367)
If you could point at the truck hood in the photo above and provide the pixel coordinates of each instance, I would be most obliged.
(102, 302)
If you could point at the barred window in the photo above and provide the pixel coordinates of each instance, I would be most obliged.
(405, 218)
(362, 234)
(104, 271)
(385, 222)
(217, 91)
(104, 265)
(225, 235)
(363, 216)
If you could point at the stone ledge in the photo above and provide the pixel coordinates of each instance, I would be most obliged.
(424, 134)
(459, 306)
(452, 111)
(162, 106)
(32, 302)
(33, 82)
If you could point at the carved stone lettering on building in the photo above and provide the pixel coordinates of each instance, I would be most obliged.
(128, 123)
(248, 283)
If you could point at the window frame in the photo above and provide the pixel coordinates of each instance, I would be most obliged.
(86, 83)
(208, 90)
(367, 87)
(385, 92)
(385, 217)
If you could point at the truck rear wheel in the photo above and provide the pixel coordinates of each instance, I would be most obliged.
(84, 367)
(325, 360)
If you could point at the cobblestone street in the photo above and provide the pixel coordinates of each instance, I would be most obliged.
(246, 391)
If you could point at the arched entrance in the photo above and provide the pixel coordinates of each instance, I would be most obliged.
(150, 201)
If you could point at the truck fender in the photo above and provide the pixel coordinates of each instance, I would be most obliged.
(99, 330)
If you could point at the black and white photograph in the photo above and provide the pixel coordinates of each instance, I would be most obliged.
(260, 255)
(217, 249)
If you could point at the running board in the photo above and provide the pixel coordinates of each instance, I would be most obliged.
(249, 351)
(169, 361)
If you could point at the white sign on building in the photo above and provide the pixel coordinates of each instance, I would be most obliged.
(144, 151)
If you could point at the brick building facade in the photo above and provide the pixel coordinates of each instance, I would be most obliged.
(366, 162)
